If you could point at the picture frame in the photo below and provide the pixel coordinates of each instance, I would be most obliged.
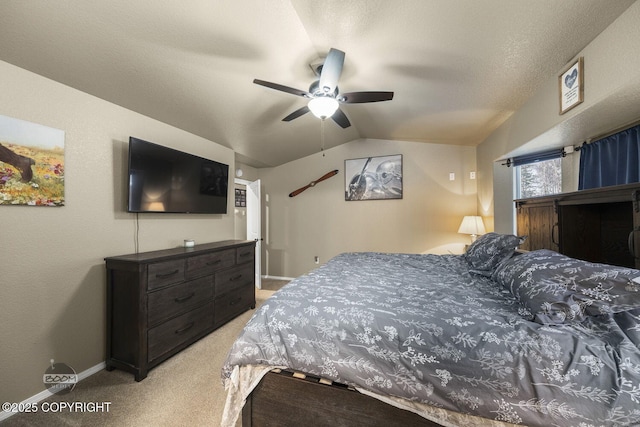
(32, 166)
(373, 178)
(571, 86)
(241, 198)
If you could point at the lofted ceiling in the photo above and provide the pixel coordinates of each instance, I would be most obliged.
(458, 68)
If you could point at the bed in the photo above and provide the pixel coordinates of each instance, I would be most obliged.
(488, 338)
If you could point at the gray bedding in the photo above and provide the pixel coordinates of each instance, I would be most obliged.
(426, 329)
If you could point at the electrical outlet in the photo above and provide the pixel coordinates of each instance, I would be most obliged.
(316, 259)
(472, 175)
(452, 176)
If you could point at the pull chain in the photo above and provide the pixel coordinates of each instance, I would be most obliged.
(322, 136)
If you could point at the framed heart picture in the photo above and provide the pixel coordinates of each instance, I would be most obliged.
(571, 86)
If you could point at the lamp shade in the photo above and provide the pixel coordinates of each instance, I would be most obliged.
(323, 106)
(472, 225)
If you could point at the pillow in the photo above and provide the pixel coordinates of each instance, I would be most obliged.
(489, 250)
(556, 289)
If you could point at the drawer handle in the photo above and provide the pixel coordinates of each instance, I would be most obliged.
(234, 278)
(556, 227)
(631, 242)
(185, 329)
(164, 276)
(185, 298)
(235, 301)
(218, 261)
(245, 254)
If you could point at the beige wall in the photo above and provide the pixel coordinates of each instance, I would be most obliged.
(319, 222)
(612, 90)
(51, 265)
(249, 173)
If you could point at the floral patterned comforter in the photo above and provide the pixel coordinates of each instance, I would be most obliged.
(425, 329)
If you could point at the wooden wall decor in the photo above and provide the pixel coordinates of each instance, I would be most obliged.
(313, 183)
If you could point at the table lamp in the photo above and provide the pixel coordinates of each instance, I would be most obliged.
(473, 225)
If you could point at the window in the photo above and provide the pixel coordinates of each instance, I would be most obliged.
(538, 178)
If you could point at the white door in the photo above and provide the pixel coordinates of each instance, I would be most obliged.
(254, 224)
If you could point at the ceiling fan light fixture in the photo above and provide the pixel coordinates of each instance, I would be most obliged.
(323, 106)
(324, 93)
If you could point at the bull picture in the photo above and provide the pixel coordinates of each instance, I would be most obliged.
(22, 163)
(32, 171)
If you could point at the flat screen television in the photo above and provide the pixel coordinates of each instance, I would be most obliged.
(162, 179)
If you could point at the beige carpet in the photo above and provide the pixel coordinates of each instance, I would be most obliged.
(273, 284)
(185, 390)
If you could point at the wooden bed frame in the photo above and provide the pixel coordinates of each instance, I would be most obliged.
(287, 399)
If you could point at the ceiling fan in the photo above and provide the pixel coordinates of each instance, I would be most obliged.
(325, 97)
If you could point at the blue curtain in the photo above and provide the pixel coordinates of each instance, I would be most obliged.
(613, 160)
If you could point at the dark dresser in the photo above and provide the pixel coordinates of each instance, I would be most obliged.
(597, 225)
(162, 301)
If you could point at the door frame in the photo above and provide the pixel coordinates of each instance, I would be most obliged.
(257, 212)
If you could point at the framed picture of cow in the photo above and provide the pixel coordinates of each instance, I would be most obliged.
(31, 163)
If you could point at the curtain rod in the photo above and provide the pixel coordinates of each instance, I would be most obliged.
(509, 162)
(612, 132)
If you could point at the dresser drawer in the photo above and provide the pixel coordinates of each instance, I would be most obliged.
(233, 303)
(165, 273)
(233, 278)
(169, 335)
(245, 254)
(179, 298)
(159, 302)
(201, 265)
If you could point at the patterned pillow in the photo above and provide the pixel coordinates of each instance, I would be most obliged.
(489, 250)
(556, 289)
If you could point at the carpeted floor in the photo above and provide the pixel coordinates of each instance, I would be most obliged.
(185, 390)
(273, 284)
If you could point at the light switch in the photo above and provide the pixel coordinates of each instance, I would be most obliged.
(452, 176)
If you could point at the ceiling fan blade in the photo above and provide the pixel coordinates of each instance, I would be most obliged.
(331, 70)
(283, 88)
(361, 97)
(340, 118)
(299, 112)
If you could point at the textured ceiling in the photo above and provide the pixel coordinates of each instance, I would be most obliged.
(458, 68)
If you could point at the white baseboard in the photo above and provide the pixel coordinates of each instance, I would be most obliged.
(46, 393)
(277, 277)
